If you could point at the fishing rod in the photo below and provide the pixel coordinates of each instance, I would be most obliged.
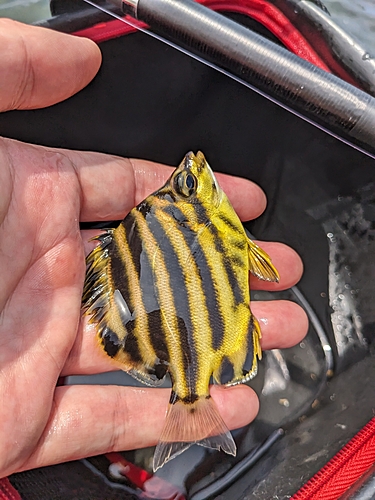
(321, 97)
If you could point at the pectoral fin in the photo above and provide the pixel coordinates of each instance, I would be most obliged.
(260, 264)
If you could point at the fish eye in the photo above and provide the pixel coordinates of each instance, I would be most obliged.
(185, 184)
(190, 181)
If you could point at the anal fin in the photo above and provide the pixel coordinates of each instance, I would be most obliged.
(192, 423)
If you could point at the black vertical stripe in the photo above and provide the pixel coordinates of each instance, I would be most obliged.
(227, 371)
(185, 341)
(248, 364)
(157, 336)
(227, 262)
(229, 223)
(133, 239)
(238, 293)
(121, 280)
(214, 312)
(130, 345)
(110, 341)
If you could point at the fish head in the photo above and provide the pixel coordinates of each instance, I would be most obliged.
(194, 182)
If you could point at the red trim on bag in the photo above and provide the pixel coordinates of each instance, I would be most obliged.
(7, 492)
(344, 469)
(135, 474)
(106, 31)
(153, 486)
(275, 21)
(259, 10)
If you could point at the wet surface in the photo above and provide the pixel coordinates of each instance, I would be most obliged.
(342, 410)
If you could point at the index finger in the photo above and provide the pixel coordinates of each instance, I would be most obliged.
(112, 186)
(39, 66)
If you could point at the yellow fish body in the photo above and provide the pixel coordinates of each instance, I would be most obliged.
(169, 292)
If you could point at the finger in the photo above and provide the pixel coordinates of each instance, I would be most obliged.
(112, 186)
(91, 420)
(283, 324)
(247, 198)
(40, 67)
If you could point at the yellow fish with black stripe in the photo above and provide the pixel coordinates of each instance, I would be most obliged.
(169, 292)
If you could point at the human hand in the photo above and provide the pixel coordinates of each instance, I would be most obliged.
(44, 193)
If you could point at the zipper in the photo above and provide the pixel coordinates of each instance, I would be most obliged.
(344, 469)
(7, 492)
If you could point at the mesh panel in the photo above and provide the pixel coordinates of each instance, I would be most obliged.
(70, 481)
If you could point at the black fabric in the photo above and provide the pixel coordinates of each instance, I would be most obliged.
(70, 481)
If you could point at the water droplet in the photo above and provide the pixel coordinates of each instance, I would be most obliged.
(341, 426)
(366, 56)
(341, 296)
(323, 294)
(315, 404)
(347, 286)
(302, 345)
(284, 402)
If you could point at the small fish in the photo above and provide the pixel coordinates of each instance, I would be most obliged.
(169, 292)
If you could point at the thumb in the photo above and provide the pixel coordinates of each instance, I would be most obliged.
(40, 67)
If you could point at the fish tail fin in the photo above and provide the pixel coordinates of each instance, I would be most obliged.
(192, 423)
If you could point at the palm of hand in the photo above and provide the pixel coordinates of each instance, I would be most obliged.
(42, 268)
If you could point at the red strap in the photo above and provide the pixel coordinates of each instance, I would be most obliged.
(7, 492)
(275, 21)
(137, 475)
(344, 469)
(259, 10)
(106, 31)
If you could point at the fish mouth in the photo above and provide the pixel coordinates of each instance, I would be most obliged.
(192, 160)
(198, 161)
